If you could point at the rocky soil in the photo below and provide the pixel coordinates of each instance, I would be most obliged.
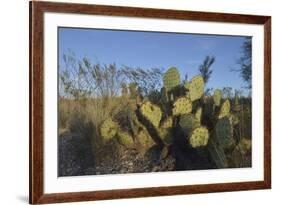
(76, 158)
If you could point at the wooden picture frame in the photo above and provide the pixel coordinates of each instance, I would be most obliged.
(37, 10)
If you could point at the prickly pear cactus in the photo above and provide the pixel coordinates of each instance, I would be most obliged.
(151, 112)
(217, 153)
(188, 123)
(125, 139)
(198, 115)
(196, 88)
(225, 109)
(164, 95)
(199, 137)
(217, 97)
(224, 132)
(182, 106)
(108, 129)
(171, 78)
(166, 135)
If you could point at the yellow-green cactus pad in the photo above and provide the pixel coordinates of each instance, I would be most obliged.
(198, 115)
(125, 139)
(196, 88)
(151, 112)
(182, 106)
(171, 78)
(199, 137)
(217, 97)
(225, 109)
(108, 129)
(224, 132)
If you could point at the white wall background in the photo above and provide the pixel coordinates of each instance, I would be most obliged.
(14, 100)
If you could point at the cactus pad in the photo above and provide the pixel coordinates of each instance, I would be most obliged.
(125, 139)
(165, 135)
(198, 115)
(171, 78)
(196, 88)
(151, 112)
(225, 109)
(108, 129)
(182, 106)
(199, 137)
(224, 131)
(187, 123)
(217, 97)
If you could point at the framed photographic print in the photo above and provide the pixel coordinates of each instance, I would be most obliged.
(134, 102)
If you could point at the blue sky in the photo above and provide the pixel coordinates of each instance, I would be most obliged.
(155, 49)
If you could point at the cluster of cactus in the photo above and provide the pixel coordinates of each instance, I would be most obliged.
(182, 106)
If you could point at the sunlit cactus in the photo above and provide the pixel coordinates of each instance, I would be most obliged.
(225, 109)
(198, 115)
(108, 129)
(224, 132)
(217, 97)
(125, 139)
(182, 106)
(199, 137)
(151, 112)
(171, 78)
(196, 88)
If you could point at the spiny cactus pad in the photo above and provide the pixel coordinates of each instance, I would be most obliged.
(217, 97)
(224, 131)
(108, 129)
(199, 137)
(151, 112)
(125, 139)
(187, 123)
(225, 109)
(196, 88)
(171, 78)
(182, 106)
